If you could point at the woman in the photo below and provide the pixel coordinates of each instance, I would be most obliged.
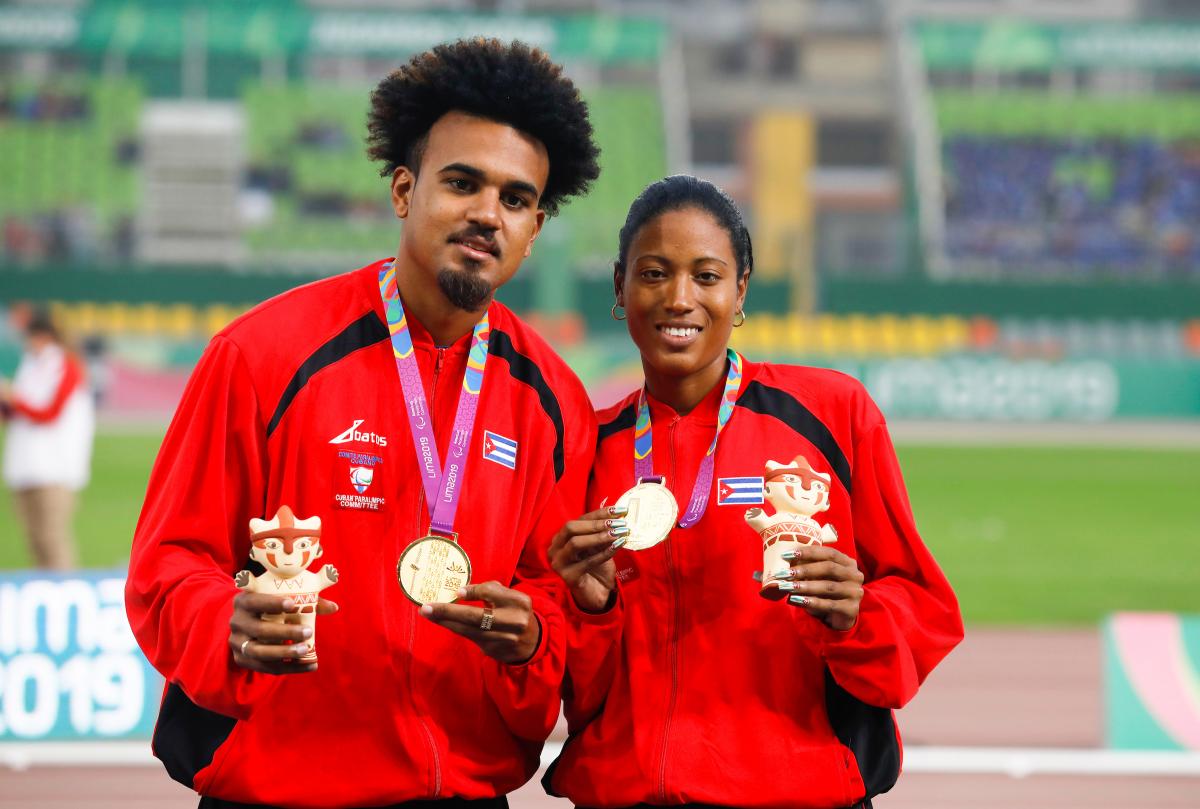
(686, 686)
(48, 450)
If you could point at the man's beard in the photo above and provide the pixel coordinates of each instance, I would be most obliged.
(464, 289)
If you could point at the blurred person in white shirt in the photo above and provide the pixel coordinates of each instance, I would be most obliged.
(48, 446)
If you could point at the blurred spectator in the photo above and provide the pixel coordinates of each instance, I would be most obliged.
(124, 239)
(48, 447)
(325, 135)
(46, 104)
(95, 357)
(23, 241)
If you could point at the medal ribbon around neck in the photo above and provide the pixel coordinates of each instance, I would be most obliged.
(643, 442)
(442, 487)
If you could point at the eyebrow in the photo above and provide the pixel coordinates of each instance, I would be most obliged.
(665, 260)
(480, 174)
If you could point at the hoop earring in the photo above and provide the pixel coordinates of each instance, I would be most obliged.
(614, 312)
(736, 315)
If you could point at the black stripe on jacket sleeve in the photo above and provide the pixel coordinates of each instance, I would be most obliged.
(365, 331)
(523, 369)
(625, 419)
(186, 736)
(869, 732)
(780, 404)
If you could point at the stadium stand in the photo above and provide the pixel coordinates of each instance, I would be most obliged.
(1081, 185)
(68, 155)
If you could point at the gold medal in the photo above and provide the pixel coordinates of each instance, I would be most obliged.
(432, 569)
(651, 515)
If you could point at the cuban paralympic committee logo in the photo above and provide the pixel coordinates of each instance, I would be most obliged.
(352, 433)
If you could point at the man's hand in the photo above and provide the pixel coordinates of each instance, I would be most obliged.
(512, 632)
(824, 582)
(267, 646)
(582, 554)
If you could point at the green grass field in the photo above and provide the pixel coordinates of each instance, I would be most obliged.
(1028, 535)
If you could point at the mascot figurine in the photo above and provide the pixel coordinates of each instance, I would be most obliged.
(796, 492)
(286, 546)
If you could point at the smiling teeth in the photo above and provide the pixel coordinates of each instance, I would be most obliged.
(677, 331)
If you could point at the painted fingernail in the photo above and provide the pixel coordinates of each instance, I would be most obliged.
(798, 601)
(786, 586)
(618, 531)
(757, 575)
(785, 573)
(306, 631)
(615, 523)
(618, 511)
(789, 556)
(620, 541)
(426, 610)
(300, 649)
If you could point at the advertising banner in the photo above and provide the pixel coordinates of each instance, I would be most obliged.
(69, 667)
(266, 29)
(962, 388)
(1009, 44)
(1152, 681)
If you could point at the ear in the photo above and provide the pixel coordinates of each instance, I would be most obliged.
(537, 228)
(257, 554)
(618, 284)
(403, 184)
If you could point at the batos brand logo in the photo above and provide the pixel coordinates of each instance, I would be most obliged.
(739, 491)
(498, 449)
(352, 433)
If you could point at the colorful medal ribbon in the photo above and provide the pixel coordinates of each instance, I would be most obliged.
(442, 487)
(643, 442)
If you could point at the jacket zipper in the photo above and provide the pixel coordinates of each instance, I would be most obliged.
(673, 639)
(412, 635)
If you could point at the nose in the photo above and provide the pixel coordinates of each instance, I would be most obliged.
(485, 209)
(680, 297)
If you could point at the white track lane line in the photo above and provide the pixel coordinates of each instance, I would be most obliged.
(1017, 762)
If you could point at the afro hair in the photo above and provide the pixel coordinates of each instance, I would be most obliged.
(512, 84)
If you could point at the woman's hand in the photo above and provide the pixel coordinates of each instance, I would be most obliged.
(825, 583)
(582, 552)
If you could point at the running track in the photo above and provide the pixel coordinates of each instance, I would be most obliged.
(1012, 719)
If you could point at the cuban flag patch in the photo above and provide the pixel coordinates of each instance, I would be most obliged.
(503, 450)
(739, 491)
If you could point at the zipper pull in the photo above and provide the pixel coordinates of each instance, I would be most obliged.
(437, 365)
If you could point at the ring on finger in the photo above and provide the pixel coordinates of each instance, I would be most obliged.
(489, 618)
(245, 643)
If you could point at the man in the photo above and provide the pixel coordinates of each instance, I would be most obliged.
(331, 399)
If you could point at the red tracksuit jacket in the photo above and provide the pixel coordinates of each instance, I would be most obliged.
(284, 403)
(697, 689)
